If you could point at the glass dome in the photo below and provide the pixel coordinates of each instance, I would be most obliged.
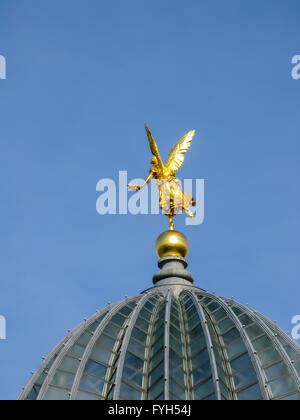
(172, 342)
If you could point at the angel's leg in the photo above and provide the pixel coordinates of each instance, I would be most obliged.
(161, 206)
(189, 212)
(171, 222)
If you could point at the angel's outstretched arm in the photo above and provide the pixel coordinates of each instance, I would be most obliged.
(136, 187)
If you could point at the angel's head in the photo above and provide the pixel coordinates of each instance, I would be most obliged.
(154, 160)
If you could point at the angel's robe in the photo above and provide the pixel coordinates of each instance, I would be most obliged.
(172, 199)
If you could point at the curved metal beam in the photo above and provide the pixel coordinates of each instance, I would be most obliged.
(126, 340)
(146, 370)
(28, 387)
(67, 347)
(167, 346)
(60, 346)
(185, 345)
(92, 342)
(247, 342)
(209, 345)
(274, 340)
(287, 338)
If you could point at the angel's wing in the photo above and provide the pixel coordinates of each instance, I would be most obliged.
(176, 155)
(154, 148)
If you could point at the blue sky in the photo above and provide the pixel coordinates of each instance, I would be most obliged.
(82, 77)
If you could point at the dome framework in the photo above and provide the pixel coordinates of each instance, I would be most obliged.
(172, 342)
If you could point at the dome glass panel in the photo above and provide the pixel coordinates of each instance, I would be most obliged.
(172, 342)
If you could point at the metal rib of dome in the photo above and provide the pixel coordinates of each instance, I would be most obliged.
(172, 342)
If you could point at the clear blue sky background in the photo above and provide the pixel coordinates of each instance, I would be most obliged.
(82, 77)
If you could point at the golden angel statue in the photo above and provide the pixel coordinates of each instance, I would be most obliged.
(172, 199)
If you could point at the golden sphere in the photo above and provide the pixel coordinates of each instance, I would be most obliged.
(170, 243)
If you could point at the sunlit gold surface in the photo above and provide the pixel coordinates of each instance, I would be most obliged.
(172, 199)
(170, 243)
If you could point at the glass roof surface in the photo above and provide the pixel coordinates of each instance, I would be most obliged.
(171, 343)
